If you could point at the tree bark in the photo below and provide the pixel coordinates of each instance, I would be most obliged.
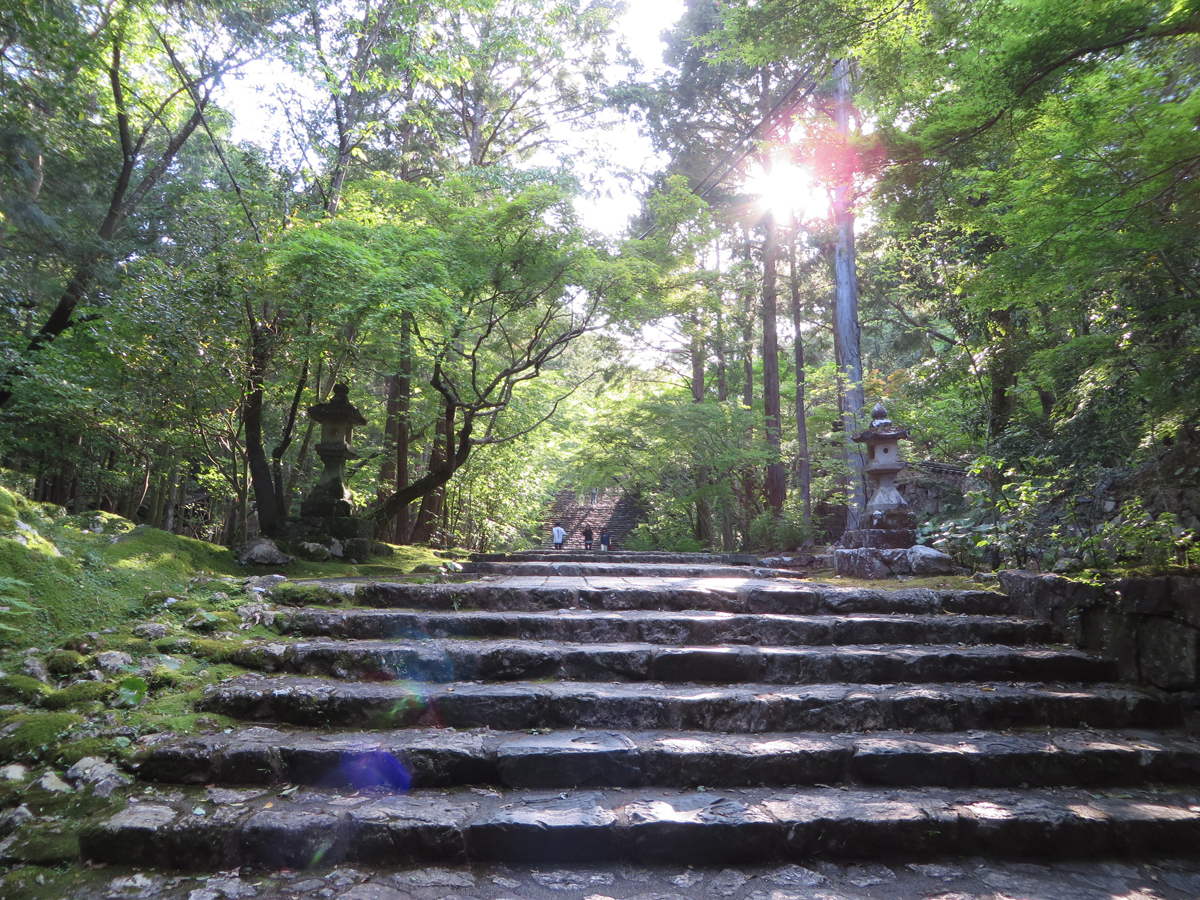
(252, 420)
(404, 422)
(282, 500)
(803, 463)
(172, 500)
(845, 316)
(772, 406)
(1002, 372)
(431, 503)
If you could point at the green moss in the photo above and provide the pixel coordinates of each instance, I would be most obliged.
(33, 736)
(69, 754)
(214, 649)
(184, 608)
(94, 583)
(22, 689)
(46, 844)
(65, 662)
(133, 645)
(84, 644)
(44, 883)
(79, 695)
(292, 594)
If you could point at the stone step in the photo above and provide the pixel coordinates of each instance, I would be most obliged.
(673, 595)
(620, 556)
(752, 708)
(443, 661)
(653, 627)
(421, 758)
(215, 831)
(602, 568)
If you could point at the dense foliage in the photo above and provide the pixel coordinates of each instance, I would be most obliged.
(983, 214)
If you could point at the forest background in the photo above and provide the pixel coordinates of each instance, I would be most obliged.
(983, 214)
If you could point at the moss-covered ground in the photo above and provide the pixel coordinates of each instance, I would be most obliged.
(109, 632)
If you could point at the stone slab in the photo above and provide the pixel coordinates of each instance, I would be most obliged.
(735, 595)
(745, 708)
(603, 568)
(441, 661)
(421, 758)
(652, 626)
(714, 827)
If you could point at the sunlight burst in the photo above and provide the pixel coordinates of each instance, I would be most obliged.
(789, 190)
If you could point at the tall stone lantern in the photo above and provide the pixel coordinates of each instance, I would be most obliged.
(885, 544)
(337, 418)
(889, 522)
(883, 460)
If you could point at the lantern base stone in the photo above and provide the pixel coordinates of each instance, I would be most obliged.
(355, 537)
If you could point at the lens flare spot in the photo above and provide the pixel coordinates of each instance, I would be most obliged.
(376, 769)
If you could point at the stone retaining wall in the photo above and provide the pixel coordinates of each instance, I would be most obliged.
(1149, 626)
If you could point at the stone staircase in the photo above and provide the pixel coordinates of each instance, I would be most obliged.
(610, 508)
(684, 711)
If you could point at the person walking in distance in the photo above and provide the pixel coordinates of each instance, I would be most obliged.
(560, 535)
(605, 539)
(587, 537)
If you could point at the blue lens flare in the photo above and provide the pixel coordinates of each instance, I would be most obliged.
(375, 769)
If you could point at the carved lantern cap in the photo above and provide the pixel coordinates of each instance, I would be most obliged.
(881, 428)
(337, 410)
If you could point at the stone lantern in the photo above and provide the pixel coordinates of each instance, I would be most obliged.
(883, 460)
(337, 418)
(889, 522)
(885, 544)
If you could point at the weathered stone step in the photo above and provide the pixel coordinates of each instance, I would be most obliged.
(519, 705)
(653, 627)
(606, 569)
(714, 827)
(440, 661)
(675, 595)
(620, 556)
(419, 758)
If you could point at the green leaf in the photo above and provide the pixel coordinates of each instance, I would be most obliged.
(131, 691)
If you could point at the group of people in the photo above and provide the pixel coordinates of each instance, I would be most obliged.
(560, 537)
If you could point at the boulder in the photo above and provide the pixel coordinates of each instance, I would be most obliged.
(35, 668)
(927, 561)
(112, 661)
(313, 551)
(152, 630)
(101, 773)
(263, 552)
(261, 583)
(861, 563)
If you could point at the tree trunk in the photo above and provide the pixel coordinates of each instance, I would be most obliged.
(703, 521)
(772, 406)
(282, 499)
(436, 476)
(404, 423)
(803, 464)
(430, 511)
(1002, 372)
(252, 420)
(172, 500)
(845, 316)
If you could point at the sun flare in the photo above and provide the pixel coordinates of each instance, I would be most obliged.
(789, 190)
